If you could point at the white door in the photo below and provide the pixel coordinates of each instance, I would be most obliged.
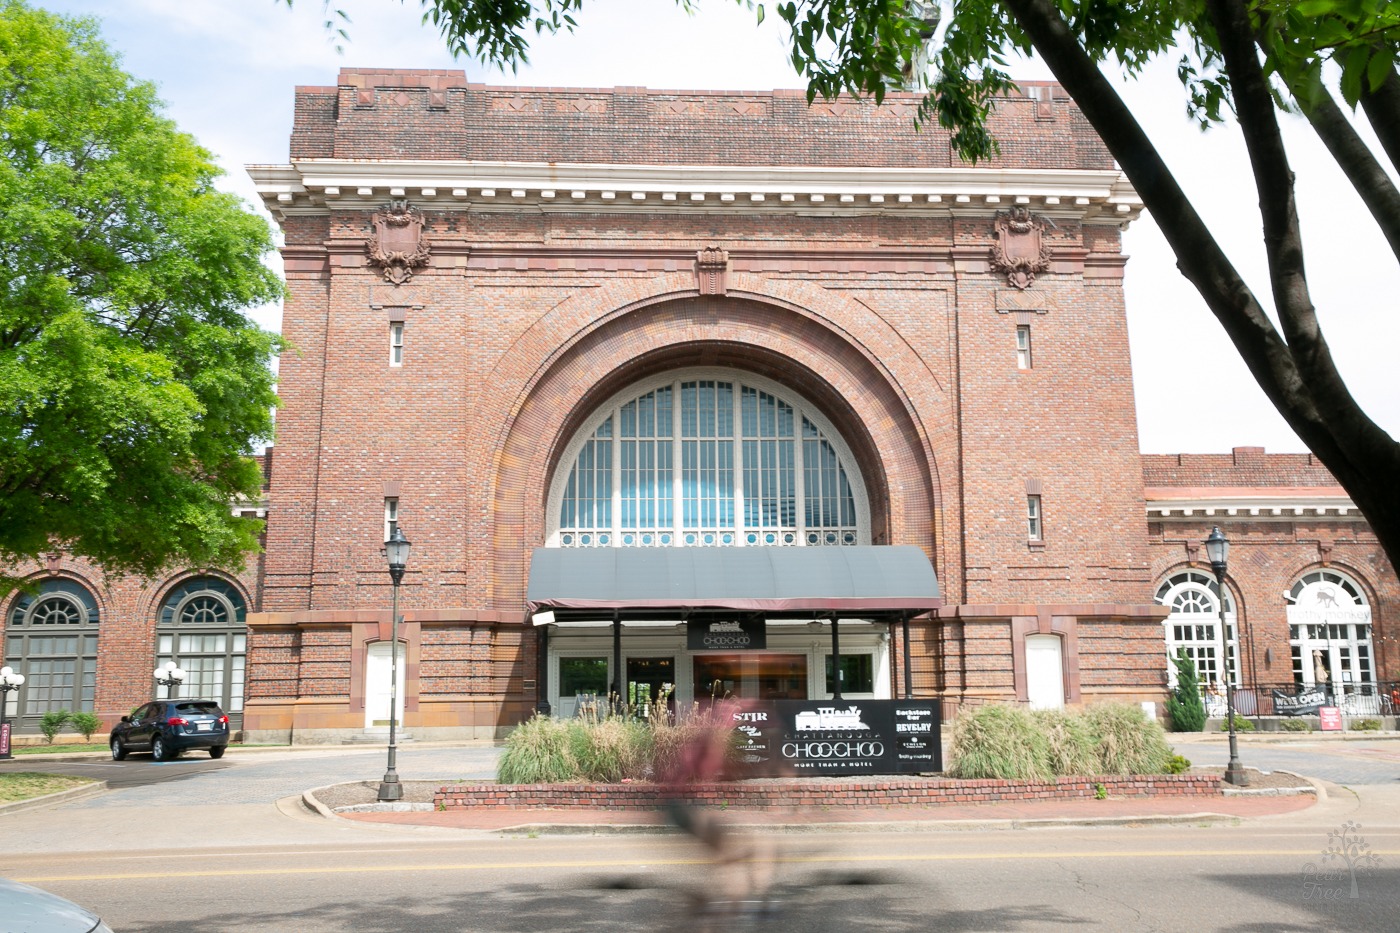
(377, 686)
(1045, 679)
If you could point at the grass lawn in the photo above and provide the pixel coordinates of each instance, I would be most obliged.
(49, 749)
(22, 785)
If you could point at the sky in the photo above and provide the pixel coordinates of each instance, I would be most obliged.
(226, 70)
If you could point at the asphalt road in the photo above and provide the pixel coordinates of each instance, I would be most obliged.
(197, 845)
(1125, 879)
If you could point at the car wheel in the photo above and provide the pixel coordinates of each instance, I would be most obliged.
(161, 750)
(217, 751)
(118, 750)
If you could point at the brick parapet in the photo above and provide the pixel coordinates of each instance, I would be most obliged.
(1243, 467)
(404, 114)
(785, 795)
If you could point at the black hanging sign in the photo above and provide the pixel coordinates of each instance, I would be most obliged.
(746, 634)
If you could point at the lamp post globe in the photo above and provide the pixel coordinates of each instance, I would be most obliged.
(9, 682)
(170, 675)
(1218, 553)
(396, 553)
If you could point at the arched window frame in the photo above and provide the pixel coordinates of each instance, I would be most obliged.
(58, 659)
(212, 651)
(741, 534)
(1194, 624)
(1343, 640)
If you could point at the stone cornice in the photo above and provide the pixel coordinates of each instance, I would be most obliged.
(1252, 504)
(316, 186)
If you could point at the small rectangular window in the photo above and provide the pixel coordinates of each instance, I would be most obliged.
(1033, 523)
(1023, 346)
(396, 343)
(391, 517)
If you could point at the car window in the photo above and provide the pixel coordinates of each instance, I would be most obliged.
(205, 708)
(145, 712)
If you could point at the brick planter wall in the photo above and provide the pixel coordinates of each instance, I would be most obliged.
(776, 795)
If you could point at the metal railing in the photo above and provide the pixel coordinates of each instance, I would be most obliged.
(1358, 699)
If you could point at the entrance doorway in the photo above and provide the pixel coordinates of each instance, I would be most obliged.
(1045, 678)
(646, 678)
(378, 663)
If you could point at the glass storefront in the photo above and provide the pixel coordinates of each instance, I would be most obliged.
(796, 665)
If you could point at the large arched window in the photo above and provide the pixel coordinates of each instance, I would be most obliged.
(202, 628)
(1194, 624)
(51, 638)
(707, 458)
(1329, 630)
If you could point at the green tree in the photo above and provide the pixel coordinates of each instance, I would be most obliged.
(1253, 60)
(1184, 707)
(132, 386)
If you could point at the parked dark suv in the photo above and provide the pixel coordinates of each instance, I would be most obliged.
(165, 728)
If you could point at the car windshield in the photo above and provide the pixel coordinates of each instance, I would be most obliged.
(206, 709)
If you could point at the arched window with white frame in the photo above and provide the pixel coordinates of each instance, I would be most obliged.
(1194, 625)
(702, 458)
(1329, 633)
(202, 627)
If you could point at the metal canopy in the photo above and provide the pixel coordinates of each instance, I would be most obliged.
(777, 582)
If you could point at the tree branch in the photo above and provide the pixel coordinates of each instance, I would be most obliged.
(1382, 108)
(1362, 168)
(1199, 257)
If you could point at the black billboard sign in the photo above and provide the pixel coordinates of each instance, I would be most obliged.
(1306, 702)
(726, 635)
(812, 737)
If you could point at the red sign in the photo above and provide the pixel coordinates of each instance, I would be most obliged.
(1331, 718)
(5, 739)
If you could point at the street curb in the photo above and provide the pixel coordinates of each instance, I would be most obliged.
(878, 826)
(64, 796)
(241, 750)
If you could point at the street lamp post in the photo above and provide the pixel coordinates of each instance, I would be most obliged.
(1218, 552)
(171, 675)
(9, 680)
(396, 550)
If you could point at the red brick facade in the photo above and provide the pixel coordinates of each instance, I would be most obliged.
(581, 241)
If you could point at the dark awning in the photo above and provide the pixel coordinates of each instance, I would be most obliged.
(777, 582)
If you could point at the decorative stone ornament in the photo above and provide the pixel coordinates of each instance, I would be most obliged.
(1020, 250)
(712, 270)
(396, 246)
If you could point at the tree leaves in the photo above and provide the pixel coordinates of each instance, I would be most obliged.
(132, 386)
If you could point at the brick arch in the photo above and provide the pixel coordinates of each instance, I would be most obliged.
(1360, 577)
(786, 344)
(101, 597)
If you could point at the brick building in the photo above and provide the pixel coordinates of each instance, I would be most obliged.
(661, 347)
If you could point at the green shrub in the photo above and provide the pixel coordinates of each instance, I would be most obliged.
(1241, 724)
(1185, 710)
(998, 742)
(1070, 746)
(1366, 725)
(85, 723)
(52, 722)
(1176, 764)
(610, 750)
(538, 752)
(1127, 742)
(1292, 724)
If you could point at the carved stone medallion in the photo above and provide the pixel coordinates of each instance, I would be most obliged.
(1020, 250)
(396, 246)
